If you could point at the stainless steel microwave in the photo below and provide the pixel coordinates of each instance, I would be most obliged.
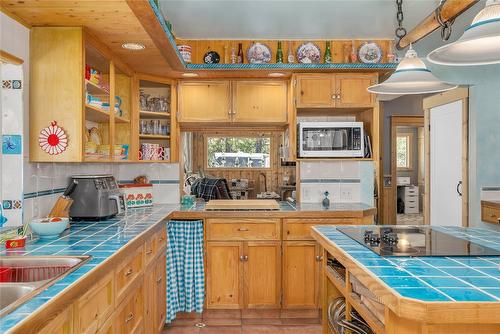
(331, 140)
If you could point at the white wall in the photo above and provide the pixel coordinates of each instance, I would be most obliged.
(44, 182)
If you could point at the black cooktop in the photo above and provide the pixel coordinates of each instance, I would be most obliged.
(414, 241)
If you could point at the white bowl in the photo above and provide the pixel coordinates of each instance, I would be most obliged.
(48, 229)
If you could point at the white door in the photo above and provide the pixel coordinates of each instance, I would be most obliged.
(446, 164)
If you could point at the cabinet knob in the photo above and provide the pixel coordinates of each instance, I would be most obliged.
(244, 258)
(334, 96)
(129, 272)
(319, 258)
(129, 318)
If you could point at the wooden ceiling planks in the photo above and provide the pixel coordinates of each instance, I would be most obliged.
(111, 21)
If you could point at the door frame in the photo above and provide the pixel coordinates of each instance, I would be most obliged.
(399, 120)
(461, 93)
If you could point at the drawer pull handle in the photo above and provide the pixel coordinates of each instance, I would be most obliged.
(129, 272)
(492, 215)
(129, 318)
(243, 229)
(162, 238)
(158, 280)
(149, 252)
(319, 258)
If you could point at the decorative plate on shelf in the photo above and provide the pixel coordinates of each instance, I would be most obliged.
(309, 53)
(369, 53)
(259, 53)
(211, 57)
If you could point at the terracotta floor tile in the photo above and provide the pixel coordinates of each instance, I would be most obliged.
(268, 314)
(184, 322)
(181, 330)
(221, 330)
(262, 329)
(222, 322)
(261, 321)
(300, 321)
(221, 314)
(311, 329)
(300, 314)
(189, 315)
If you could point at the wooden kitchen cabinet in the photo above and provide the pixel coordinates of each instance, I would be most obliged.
(243, 274)
(129, 317)
(334, 90)
(61, 324)
(262, 274)
(301, 279)
(224, 275)
(204, 101)
(259, 102)
(351, 90)
(95, 306)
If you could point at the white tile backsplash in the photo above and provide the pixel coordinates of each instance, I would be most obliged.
(350, 169)
(166, 193)
(314, 192)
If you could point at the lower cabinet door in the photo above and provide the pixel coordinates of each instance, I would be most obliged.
(129, 318)
(262, 274)
(301, 263)
(149, 299)
(160, 294)
(224, 275)
(61, 324)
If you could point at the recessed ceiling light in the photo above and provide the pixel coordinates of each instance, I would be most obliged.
(276, 74)
(190, 75)
(133, 46)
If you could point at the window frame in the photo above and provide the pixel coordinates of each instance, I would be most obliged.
(205, 156)
(410, 140)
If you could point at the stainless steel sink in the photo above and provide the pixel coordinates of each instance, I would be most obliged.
(30, 275)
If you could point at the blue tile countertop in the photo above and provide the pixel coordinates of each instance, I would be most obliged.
(99, 239)
(430, 279)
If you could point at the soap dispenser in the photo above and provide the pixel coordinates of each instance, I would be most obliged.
(326, 200)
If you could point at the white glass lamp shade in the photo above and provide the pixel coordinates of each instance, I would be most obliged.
(480, 43)
(411, 77)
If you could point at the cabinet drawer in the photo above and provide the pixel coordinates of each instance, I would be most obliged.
(243, 229)
(490, 214)
(150, 249)
(95, 306)
(300, 229)
(127, 272)
(129, 317)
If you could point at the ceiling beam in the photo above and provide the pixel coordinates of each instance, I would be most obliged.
(451, 9)
(151, 23)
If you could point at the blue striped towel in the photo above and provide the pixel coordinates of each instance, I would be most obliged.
(185, 272)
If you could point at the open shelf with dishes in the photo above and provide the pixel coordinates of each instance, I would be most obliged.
(107, 134)
(156, 122)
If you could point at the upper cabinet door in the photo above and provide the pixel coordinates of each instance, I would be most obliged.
(315, 91)
(204, 101)
(351, 90)
(259, 102)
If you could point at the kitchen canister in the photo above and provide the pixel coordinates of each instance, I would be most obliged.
(138, 195)
(185, 51)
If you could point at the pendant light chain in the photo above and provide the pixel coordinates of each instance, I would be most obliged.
(400, 30)
(445, 25)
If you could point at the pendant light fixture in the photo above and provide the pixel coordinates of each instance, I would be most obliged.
(480, 43)
(411, 77)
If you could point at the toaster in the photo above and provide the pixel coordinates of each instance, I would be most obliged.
(95, 197)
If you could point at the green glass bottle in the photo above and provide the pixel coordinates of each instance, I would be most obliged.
(279, 54)
(328, 54)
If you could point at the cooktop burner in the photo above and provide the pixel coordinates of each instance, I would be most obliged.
(414, 241)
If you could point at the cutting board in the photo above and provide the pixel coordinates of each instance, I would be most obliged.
(242, 204)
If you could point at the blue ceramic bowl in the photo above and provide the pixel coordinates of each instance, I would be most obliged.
(48, 229)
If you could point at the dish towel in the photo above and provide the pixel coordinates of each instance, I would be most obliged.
(185, 272)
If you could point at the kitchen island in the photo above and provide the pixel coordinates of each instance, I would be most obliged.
(101, 295)
(413, 294)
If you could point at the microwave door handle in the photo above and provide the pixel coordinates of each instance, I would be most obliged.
(116, 198)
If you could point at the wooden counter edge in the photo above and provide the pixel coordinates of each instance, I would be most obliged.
(409, 308)
(491, 204)
(49, 311)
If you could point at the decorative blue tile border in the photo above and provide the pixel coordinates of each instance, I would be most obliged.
(61, 190)
(297, 66)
